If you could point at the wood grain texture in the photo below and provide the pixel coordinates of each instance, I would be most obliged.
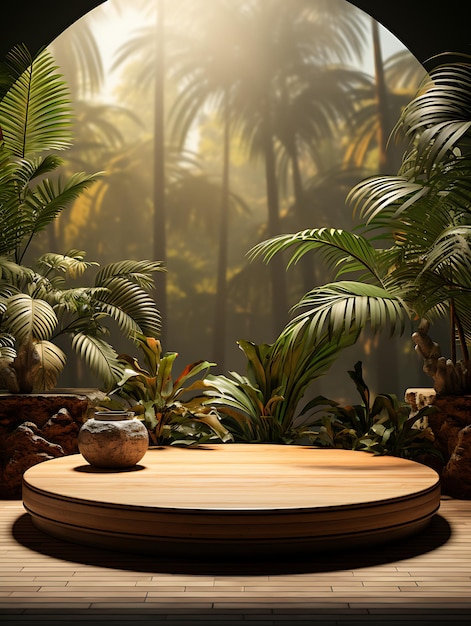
(422, 580)
(234, 499)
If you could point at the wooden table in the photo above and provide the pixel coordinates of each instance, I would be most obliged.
(233, 500)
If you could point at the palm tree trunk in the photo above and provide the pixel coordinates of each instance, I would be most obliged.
(305, 263)
(381, 101)
(160, 221)
(220, 317)
(277, 270)
(388, 377)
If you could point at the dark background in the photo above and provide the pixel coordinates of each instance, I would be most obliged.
(425, 28)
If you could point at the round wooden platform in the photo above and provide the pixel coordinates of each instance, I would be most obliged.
(233, 500)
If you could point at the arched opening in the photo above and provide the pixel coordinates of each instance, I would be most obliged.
(294, 181)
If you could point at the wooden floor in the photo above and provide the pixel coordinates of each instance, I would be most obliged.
(252, 500)
(423, 579)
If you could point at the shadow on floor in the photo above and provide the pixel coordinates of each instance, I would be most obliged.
(433, 536)
(261, 617)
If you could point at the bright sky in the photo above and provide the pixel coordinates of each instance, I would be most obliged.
(112, 26)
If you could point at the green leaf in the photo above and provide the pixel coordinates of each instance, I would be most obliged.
(52, 360)
(35, 112)
(99, 356)
(30, 319)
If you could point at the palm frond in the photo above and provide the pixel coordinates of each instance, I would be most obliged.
(17, 60)
(440, 116)
(373, 196)
(137, 271)
(27, 318)
(132, 308)
(237, 394)
(35, 112)
(344, 251)
(451, 252)
(52, 361)
(71, 264)
(99, 356)
(49, 198)
(7, 346)
(12, 272)
(346, 306)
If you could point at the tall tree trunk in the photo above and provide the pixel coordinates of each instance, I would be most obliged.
(381, 101)
(387, 377)
(160, 221)
(305, 263)
(277, 270)
(220, 315)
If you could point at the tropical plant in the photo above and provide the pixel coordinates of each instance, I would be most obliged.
(382, 426)
(263, 406)
(172, 409)
(37, 302)
(410, 258)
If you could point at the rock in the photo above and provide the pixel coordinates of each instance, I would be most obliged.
(38, 427)
(454, 414)
(451, 427)
(38, 408)
(456, 477)
(62, 429)
(24, 447)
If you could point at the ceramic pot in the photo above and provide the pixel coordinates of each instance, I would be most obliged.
(113, 439)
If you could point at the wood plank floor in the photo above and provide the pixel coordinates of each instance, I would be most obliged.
(421, 580)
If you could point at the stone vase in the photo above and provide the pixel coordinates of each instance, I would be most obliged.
(113, 439)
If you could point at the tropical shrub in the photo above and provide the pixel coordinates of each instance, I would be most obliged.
(172, 409)
(38, 301)
(264, 405)
(409, 260)
(382, 426)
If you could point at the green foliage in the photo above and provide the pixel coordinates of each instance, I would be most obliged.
(172, 409)
(381, 426)
(410, 258)
(262, 406)
(39, 302)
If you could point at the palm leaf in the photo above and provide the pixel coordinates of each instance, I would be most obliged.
(72, 264)
(371, 197)
(347, 306)
(49, 198)
(238, 394)
(132, 308)
(28, 318)
(13, 273)
(17, 60)
(440, 114)
(52, 361)
(35, 113)
(139, 272)
(99, 356)
(340, 249)
(451, 249)
(7, 346)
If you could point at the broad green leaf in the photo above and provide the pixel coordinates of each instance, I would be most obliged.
(30, 319)
(52, 360)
